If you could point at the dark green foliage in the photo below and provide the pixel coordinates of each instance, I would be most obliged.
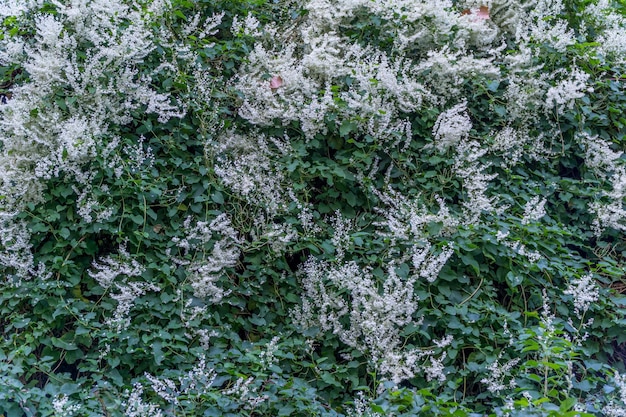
(56, 332)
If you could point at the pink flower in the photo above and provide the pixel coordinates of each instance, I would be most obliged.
(481, 13)
(276, 82)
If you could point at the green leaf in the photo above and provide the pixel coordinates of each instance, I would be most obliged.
(514, 280)
(347, 127)
(157, 352)
(62, 344)
(217, 197)
(567, 404)
(470, 261)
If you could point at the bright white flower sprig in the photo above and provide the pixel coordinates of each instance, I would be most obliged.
(376, 314)
(135, 405)
(617, 408)
(247, 165)
(62, 138)
(341, 234)
(584, 291)
(64, 407)
(114, 272)
(542, 23)
(108, 268)
(534, 210)
(469, 168)
(209, 265)
(562, 95)
(17, 256)
(612, 37)
(451, 127)
(613, 213)
(196, 382)
(405, 220)
(126, 295)
(599, 155)
(498, 373)
(518, 247)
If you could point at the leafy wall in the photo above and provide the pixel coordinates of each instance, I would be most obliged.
(322, 207)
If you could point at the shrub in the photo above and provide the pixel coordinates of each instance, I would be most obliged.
(312, 207)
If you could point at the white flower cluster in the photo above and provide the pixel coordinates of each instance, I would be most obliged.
(16, 255)
(246, 164)
(40, 144)
(267, 356)
(127, 293)
(446, 70)
(562, 95)
(361, 407)
(428, 265)
(615, 409)
(136, 407)
(584, 291)
(598, 153)
(88, 205)
(613, 213)
(45, 135)
(518, 247)
(381, 87)
(108, 268)
(452, 126)
(406, 220)
(207, 268)
(612, 39)
(495, 380)
(195, 383)
(543, 24)
(341, 234)
(405, 223)
(471, 170)
(375, 313)
(246, 392)
(510, 142)
(64, 407)
(534, 210)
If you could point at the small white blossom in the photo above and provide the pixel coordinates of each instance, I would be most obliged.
(598, 153)
(436, 369)
(452, 126)
(615, 409)
(64, 407)
(562, 95)
(495, 381)
(584, 291)
(341, 236)
(125, 297)
(267, 356)
(107, 269)
(534, 210)
(136, 407)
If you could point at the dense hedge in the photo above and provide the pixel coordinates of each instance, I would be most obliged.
(312, 207)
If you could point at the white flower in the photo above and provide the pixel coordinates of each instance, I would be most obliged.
(562, 95)
(136, 407)
(64, 407)
(584, 291)
(495, 381)
(534, 210)
(452, 126)
(107, 269)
